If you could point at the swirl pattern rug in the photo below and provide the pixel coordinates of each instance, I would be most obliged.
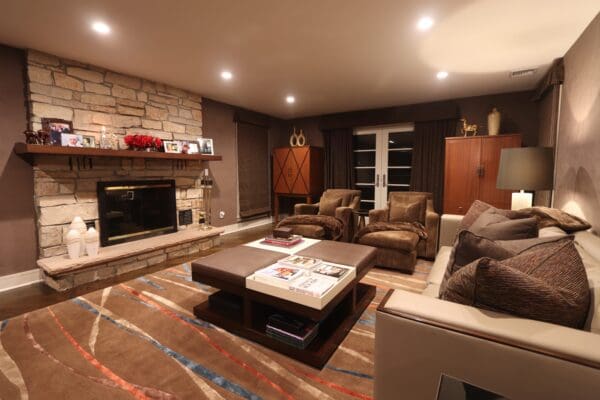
(141, 340)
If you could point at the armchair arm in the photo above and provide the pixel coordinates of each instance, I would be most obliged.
(302, 208)
(419, 338)
(346, 214)
(379, 215)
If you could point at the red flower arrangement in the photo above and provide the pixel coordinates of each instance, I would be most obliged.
(143, 142)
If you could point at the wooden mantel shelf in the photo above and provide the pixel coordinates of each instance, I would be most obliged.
(24, 149)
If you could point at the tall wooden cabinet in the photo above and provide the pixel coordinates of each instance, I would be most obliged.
(471, 169)
(297, 172)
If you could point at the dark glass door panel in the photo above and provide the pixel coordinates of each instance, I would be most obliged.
(397, 140)
(364, 159)
(364, 142)
(364, 175)
(399, 158)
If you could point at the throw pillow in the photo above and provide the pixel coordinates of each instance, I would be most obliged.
(408, 212)
(493, 224)
(470, 247)
(327, 205)
(546, 283)
(478, 207)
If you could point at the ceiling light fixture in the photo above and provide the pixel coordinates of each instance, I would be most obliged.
(226, 75)
(442, 75)
(290, 99)
(425, 23)
(101, 28)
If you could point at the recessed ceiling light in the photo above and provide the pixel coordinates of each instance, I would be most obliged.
(425, 23)
(226, 75)
(290, 99)
(101, 28)
(442, 75)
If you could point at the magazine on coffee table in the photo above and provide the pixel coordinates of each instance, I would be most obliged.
(335, 272)
(279, 275)
(296, 261)
(312, 285)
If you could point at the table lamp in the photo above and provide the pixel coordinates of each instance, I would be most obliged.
(525, 168)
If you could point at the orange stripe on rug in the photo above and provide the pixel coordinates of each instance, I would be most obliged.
(335, 386)
(216, 346)
(123, 384)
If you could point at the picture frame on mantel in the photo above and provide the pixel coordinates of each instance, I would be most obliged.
(55, 128)
(206, 146)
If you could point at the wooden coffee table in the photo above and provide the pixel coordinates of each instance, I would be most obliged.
(248, 317)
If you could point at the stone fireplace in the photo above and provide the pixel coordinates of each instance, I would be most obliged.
(93, 98)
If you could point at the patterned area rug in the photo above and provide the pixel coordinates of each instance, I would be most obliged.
(141, 340)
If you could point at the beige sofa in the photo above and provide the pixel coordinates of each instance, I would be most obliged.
(420, 337)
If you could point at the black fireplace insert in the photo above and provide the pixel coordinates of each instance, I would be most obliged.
(132, 210)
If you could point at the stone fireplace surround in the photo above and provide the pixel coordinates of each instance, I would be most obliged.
(65, 187)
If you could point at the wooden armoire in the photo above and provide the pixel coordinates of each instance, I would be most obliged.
(297, 172)
(471, 169)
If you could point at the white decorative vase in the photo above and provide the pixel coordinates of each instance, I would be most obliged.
(92, 242)
(73, 240)
(494, 122)
(80, 227)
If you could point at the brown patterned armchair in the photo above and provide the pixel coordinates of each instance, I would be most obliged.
(424, 248)
(350, 202)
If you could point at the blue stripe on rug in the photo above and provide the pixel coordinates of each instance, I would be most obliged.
(186, 268)
(3, 324)
(151, 283)
(198, 369)
(368, 320)
(349, 372)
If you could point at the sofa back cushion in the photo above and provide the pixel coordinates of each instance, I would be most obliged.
(479, 207)
(547, 282)
(413, 210)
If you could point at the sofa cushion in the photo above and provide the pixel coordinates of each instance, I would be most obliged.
(493, 224)
(311, 231)
(413, 211)
(547, 282)
(328, 204)
(398, 240)
(470, 247)
(588, 246)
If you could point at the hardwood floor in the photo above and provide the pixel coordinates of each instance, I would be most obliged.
(28, 298)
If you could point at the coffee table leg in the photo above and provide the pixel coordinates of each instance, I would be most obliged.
(247, 312)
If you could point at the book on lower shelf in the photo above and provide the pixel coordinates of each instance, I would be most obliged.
(290, 330)
(279, 275)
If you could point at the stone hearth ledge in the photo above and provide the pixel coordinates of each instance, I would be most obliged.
(62, 273)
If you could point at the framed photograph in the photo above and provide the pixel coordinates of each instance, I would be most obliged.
(88, 141)
(55, 128)
(71, 140)
(193, 148)
(206, 146)
(172, 146)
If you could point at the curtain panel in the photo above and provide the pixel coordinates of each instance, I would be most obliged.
(253, 170)
(427, 174)
(339, 158)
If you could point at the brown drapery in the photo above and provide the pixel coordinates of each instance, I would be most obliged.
(253, 169)
(427, 173)
(339, 158)
(554, 77)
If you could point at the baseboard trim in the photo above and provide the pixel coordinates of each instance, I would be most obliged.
(13, 281)
(241, 226)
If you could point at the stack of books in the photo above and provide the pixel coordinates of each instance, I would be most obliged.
(283, 242)
(290, 330)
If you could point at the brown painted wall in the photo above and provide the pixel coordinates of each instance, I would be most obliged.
(577, 186)
(18, 246)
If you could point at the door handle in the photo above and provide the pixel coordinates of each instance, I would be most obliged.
(480, 170)
(383, 180)
(377, 181)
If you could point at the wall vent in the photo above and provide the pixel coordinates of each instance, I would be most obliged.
(522, 72)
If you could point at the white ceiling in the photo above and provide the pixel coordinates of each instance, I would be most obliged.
(333, 55)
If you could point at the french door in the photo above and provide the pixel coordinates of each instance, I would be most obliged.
(382, 162)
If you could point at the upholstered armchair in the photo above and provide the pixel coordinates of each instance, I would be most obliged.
(350, 201)
(425, 248)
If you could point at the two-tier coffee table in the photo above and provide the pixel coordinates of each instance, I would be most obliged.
(247, 310)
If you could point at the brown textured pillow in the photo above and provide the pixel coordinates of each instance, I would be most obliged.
(327, 205)
(546, 283)
(479, 207)
(470, 247)
(493, 224)
(408, 212)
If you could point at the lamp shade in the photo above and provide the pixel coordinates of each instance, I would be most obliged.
(526, 168)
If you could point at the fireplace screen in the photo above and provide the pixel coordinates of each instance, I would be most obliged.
(132, 210)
